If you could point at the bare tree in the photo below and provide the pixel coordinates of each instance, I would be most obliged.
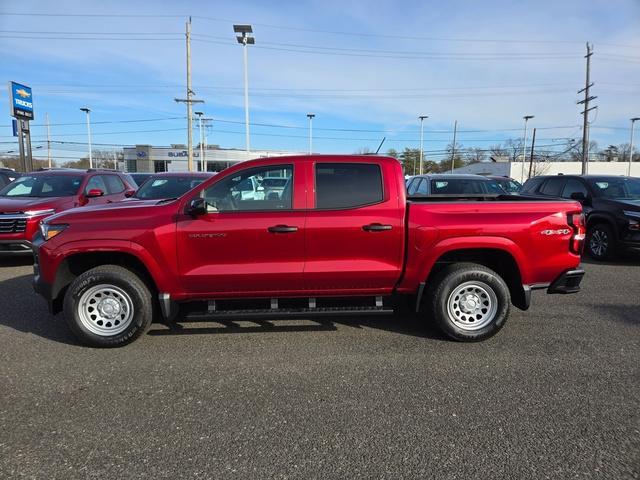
(475, 155)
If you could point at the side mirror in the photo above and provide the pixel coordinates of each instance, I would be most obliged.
(580, 197)
(94, 192)
(197, 207)
(129, 193)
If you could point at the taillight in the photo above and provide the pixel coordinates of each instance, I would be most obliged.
(577, 222)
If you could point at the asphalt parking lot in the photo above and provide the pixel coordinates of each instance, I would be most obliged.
(555, 395)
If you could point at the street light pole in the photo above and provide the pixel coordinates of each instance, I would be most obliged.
(524, 145)
(310, 116)
(244, 39)
(633, 120)
(87, 111)
(421, 117)
(202, 164)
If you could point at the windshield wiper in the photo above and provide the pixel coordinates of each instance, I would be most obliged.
(164, 200)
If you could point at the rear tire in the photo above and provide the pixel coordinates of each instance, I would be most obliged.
(601, 242)
(469, 302)
(108, 306)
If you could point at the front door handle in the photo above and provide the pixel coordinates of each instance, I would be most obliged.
(282, 229)
(376, 227)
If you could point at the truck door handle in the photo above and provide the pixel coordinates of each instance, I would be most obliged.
(376, 227)
(282, 229)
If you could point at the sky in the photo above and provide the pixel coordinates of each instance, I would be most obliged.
(367, 70)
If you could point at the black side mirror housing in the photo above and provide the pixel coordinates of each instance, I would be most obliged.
(580, 197)
(197, 207)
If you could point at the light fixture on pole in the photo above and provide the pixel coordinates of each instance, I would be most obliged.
(524, 145)
(633, 120)
(245, 39)
(202, 164)
(310, 116)
(87, 111)
(422, 118)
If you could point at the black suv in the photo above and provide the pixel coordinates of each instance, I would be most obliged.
(611, 205)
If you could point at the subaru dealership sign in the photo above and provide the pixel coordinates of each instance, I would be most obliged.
(20, 101)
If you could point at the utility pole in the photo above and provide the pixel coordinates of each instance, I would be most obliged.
(524, 146)
(453, 147)
(633, 120)
(189, 100)
(48, 140)
(189, 93)
(310, 116)
(421, 118)
(533, 143)
(585, 113)
(88, 112)
(244, 39)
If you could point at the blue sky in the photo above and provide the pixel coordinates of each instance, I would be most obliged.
(366, 69)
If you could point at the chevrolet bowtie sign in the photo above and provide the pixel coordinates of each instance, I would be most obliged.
(20, 101)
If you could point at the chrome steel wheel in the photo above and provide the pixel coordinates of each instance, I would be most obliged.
(472, 305)
(105, 310)
(599, 243)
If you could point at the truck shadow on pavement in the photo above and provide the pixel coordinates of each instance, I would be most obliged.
(402, 324)
(24, 311)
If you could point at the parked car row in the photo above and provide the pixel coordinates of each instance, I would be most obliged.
(26, 199)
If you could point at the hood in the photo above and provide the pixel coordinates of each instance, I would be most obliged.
(111, 209)
(22, 204)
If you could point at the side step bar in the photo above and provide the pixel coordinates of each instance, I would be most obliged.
(292, 312)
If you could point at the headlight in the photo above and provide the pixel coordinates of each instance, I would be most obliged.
(49, 231)
(632, 214)
(35, 213)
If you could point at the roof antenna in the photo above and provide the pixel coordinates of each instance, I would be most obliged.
(380, 146)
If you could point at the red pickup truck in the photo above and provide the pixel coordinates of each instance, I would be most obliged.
(338, 235)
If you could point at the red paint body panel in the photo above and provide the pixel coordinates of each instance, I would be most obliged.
(232, 254)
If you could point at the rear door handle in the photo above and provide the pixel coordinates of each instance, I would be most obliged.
(282, 229)
(376, 227)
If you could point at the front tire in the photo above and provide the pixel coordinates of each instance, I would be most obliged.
(108, 306)
(601, 242)
(469, 302)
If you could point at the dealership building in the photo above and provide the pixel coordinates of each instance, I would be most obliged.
(147, 158)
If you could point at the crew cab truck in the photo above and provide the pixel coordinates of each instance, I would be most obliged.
(341, 236)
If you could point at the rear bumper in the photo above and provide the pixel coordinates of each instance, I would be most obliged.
(568, 282)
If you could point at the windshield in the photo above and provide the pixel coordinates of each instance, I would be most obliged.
(623, 188)
(465, 186)
(167, 187)
(43, 186)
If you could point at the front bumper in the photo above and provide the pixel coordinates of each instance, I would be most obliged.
(568, 282)
(15, 247)
(40, 286)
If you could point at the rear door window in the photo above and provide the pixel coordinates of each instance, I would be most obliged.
(114, 184)
(96, 182)
(348, 185)
(553, 187)
(573, 186)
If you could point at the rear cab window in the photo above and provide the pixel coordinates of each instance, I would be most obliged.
(348, 185)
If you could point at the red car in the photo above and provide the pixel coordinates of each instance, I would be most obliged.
(340, 236)
(37, 195)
